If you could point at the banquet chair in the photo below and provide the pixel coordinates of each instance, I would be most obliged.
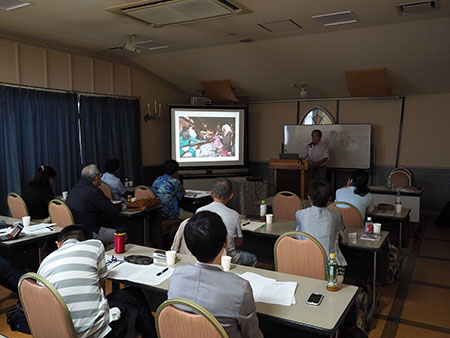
(17, 206)
(173, 322)
(106, 190)
(143, 192)
(60, 213)
(301, 257)
(46, 312)
(351, 216)
(285, 204)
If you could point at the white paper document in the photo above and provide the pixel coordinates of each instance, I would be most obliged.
(251, 225)
(268, 290)
(144, 274)
(39, 228)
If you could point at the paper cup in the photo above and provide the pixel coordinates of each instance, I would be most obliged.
(226, 263)
(352, 237)
(65, 194)
(26, 221)
(170, 257)
(376, 228)
(269, 218)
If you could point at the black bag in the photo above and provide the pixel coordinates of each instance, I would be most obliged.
(443, 219)
(16, 319)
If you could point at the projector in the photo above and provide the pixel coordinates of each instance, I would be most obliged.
(202, 100)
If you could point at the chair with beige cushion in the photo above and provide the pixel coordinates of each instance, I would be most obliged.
(17, 206)
(143, 192)
(106, 190)
(46, 312)
(301, 257)
(172, 322)
(351, 216)
(60, 213)
(285, 204)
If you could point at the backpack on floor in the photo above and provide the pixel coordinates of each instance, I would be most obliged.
(16, 319)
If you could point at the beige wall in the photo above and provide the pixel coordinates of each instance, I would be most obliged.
(265, 126)
(425, 133)
(26, 64)
(426, 136)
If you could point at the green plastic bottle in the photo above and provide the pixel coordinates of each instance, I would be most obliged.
(389, 184)
(263, 211)
(332, 269)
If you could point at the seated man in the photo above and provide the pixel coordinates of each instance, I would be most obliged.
(169, 190)
(87, 202)
(118, 191)
(221, 194)
(9, 274)
(78, 271)
(228, 297)
(322, 223)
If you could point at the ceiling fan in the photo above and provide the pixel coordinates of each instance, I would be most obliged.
(128, 46)
(132, 47)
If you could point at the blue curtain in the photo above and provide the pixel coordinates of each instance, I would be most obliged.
(37, 127)
(111, 128)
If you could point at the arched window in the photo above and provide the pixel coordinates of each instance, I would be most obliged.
(318, 115)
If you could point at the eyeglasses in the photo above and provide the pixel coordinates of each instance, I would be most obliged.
(112, 260)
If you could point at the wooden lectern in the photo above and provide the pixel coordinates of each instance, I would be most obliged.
(290, 175)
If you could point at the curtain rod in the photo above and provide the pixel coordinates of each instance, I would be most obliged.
(66, 91)
(331, 99)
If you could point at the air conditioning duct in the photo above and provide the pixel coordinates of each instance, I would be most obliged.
(176, 12)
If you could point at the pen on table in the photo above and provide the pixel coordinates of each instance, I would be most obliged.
(262, 226)
(161, 272)
(50, 228)
(245, 223)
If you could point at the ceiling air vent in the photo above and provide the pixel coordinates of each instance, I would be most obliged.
(8, 5)
(333, 19)
(417, 7)
(175, 12)
(279, 25)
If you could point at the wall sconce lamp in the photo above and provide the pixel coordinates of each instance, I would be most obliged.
(156, 114)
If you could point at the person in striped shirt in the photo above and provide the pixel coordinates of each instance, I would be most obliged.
(78, 271)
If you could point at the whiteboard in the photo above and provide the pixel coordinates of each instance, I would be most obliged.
(348, 144)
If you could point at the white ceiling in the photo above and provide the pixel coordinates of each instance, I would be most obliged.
(415, 48)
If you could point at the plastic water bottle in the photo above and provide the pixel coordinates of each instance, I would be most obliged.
(369, 225)
(332, 270)
(389, 184)
(262, 210)
(126, 183)
(310, 147)
(398, 203)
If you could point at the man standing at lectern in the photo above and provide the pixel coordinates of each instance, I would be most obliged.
(316, 153)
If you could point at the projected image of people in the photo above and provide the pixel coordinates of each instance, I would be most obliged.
(207, 137)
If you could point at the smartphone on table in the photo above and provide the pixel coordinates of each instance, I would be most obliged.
(314, 299)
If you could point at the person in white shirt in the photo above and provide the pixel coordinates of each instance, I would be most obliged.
(356, 192)
(110, 177)
(316, 153)
(221, 193)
